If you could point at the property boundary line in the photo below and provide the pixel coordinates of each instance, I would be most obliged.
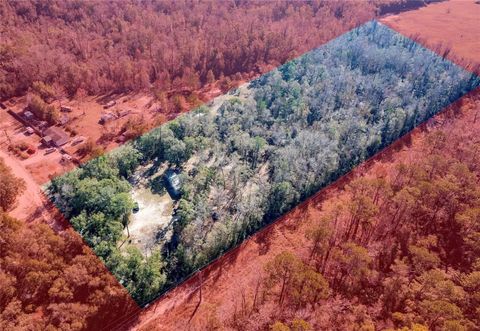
(339, 183)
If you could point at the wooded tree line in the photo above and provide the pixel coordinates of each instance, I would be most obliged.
(292, 132)
(165, 47)
(398, 249)
(51, 281)
(69, 48)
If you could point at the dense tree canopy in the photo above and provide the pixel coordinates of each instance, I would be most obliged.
(270, 146)
(49, 281)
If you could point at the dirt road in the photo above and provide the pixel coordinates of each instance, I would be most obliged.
(31, 204)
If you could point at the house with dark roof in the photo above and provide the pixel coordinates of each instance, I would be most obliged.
(54, 136)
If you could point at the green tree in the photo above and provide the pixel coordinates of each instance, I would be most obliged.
(142, 276)
(281, 199)
(10, 187)
(308, 287)
(320, 236)
(279, 326)
(423, 259)
(294, 281)
(301, 325)
(439, 313)
(100, 168)
(281, 271)
(45, 91)
(351, 268)
(175, 152)
(127, 159)
(42, 110)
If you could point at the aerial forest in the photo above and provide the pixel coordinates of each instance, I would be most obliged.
(397, 249)
(76, 48)
(269, 146)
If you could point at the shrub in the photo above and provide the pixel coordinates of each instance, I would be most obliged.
(22, 146)
(45, 91)
(31, 149)
(42, 110)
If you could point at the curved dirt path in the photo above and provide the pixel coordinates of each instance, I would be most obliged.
(30, 205)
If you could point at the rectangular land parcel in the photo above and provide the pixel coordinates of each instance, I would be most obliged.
(239, 164)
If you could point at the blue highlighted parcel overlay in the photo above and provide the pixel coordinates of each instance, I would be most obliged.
(161, 207)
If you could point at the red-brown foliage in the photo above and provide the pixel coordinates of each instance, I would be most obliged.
(100, 47)
(51, 281)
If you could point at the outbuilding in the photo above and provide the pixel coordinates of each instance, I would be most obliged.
(28, 115)
(123, 113)
(110, 104)
(173, 183)
(78, 140)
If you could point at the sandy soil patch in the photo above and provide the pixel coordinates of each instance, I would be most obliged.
(154, 215)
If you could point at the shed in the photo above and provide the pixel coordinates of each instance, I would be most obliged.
(28, 115)
(47, 141)
(66, 109)
(123, 113)
(55, 136)
(173, 183)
